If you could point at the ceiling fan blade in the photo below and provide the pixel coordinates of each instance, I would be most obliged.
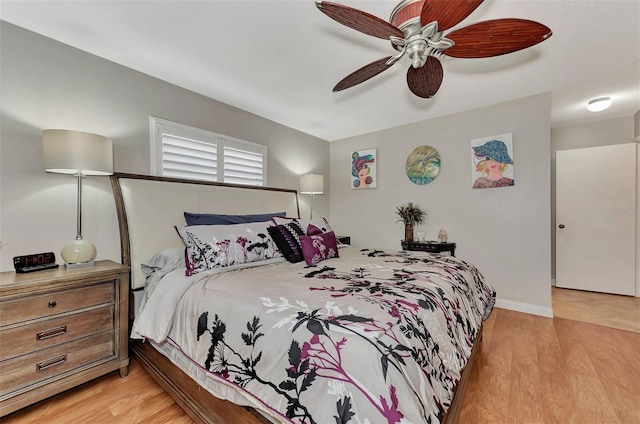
(359, 20)
(363, 74)
(496, 37)
(448, 13)
(425, 81)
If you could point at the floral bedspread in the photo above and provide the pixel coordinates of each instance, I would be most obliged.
(370, 337)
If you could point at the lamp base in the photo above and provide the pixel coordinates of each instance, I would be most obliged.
(78, 253)
(79, 265)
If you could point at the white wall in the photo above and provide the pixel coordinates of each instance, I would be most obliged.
(505, 231)
(46, 84)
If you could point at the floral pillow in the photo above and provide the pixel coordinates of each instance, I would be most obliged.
(214, 246)
(317, 248)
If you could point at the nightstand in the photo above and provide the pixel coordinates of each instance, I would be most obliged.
(429, 246)
(60, 328)
(344, 239)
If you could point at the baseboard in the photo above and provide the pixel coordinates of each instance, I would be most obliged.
(553, 282)
(527, 308)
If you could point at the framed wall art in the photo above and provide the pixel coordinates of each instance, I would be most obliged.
(492, 161)
(363, 169)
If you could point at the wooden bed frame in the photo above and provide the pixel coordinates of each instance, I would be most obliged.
(196, 401)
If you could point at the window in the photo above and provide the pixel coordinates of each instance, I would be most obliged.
(181, 151)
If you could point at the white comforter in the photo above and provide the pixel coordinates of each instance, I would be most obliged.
(369, 337)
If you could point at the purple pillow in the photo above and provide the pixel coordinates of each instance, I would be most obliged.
(319, 247)
(312, 230)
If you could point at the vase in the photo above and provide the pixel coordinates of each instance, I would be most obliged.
(408, 232)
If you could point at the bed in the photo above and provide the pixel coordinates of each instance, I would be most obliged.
(368, 336)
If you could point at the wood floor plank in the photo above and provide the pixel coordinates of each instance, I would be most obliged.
(626, 404)
(577, 360)
(592, 400)
(525, 400)
(135, 399)
(491, 384)
(610, 310)
(497, 351)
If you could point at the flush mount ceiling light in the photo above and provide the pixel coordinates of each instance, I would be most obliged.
(598, 105)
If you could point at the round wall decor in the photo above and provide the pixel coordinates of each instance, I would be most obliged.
(423, 165)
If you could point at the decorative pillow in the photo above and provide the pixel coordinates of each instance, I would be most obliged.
(217, 219)
(163, 262)
(312, 230)
(287, 238)
(214, 246)
(320, 223)
(319, 247)
(157, 267)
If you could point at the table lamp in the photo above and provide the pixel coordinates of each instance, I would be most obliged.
(80, 154)
(311, 184)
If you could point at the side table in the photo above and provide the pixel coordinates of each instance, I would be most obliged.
(429, 246)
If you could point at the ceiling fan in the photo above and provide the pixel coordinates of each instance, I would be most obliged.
(416, 29)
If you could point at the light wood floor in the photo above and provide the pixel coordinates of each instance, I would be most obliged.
(610, 310)
(530, 370)
(553, 370)
(106, 400)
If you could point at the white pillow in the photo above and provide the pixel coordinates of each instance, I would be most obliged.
(214, 246)
(163, 262)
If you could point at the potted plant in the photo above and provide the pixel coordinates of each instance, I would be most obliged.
(410, 215)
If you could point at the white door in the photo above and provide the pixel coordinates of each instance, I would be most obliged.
(596, 218)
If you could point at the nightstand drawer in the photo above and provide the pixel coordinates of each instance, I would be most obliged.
(39, 335)
(53, 303)
(20, 372)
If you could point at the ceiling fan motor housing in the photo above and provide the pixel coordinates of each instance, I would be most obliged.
(407, 12)
(406, 17)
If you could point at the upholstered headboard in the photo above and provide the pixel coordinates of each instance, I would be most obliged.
(149, 207)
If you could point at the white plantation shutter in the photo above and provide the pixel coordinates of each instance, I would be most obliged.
(242, 166)
(186, 158)
(181, 151)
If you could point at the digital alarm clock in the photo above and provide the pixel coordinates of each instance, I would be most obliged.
(34, 262)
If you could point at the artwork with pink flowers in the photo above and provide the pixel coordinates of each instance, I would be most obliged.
(492, 161)
(363, 169)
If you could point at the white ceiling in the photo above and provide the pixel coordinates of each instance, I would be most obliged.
(281, 59)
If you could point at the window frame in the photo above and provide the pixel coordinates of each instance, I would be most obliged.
(159, 126)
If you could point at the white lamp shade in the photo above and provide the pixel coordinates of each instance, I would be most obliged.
(73, 152)
(312, 184)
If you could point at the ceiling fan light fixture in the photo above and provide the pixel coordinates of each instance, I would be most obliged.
(599, 104)
(417, 52)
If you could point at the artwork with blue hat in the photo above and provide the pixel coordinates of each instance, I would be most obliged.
(492, 161)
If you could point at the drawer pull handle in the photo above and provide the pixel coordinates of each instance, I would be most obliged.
(48, 363)
(47, 334)
(52, 304)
